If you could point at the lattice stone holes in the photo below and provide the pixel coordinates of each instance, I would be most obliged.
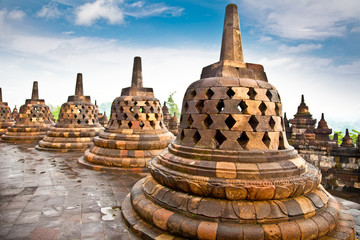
(220, 106)
(219, 137)
(242, 107)
(230, 121)
(209, 93)
(208, 121)
(230, 93)
(269, 94)
(272, 123)
(196, 137)
(190, 121)
(193, 94)
(266, 140)
(253, 122)
(252, 93)
(243, 140)
(199, 106)
(262, 108)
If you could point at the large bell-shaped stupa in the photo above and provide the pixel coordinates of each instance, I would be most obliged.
(76, 126)
(231, 174)
(135, 132)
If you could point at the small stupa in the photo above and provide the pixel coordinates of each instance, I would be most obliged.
(347, 140)
(230, 173)
(33, 122)
(6, 119)
(174, 125)
(166, 115)
(103, 120)
(322, 134)
(76, 126)
(135, 132)
(302, 126)
(15, 114)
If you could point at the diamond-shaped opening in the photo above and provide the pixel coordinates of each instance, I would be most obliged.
(209, 93)
(219, 137)
(190, 121)
(130, 124)
(136, 116)
(157, 116)
(182, 135)
(147, 103)
(83, 116)
(266, 140)
(126, 103)
(75, 116)
(152, 124)
(243, 140)
(269, 94)
(196, 137)
(79, 121)
(220, 106)
(262, 108)
(141, 124)
(186, 106)
(252, 93)
(135, 103)
(272, 123)
(199, 106)
(147, 117)
(121, 109)
(125, 116)
(141, 109)
(277, 109)
(193, 93)
(242, 106)
(208, 121)
(230, 93)
(230, 121)
(131, 109)
(281, 142)
(151, 109)
(253, 122)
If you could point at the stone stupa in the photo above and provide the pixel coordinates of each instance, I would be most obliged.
(33, 121)
(76, 126)
(6, 119)
(135, 132)
(231, 174)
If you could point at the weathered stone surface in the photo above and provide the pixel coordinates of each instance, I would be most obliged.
(34, 120)
(6, 117)
(230, 174)
(135, 132)
(76, 126)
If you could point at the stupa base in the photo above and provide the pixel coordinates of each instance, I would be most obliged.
(168, 222)
(79, 148)
(82, 162)
(21, 139)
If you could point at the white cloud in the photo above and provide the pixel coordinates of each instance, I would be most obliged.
(89, 13)
(7, 19)
(355, 30)
(299, 48)
(304, 19)
(140, 9)
(49, 11)
(16, 15)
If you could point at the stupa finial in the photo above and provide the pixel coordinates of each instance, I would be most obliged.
(79, 90)
(231, 47)
(35, 91)
(0, 95)
(137, 80)
(302, 99)
(322, 117)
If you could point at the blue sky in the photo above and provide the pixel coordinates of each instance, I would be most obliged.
(307, 47)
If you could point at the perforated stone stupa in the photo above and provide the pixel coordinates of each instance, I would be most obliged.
(135, 132)
(76, 126)
(33, 121)
(6, 119)
(231, 174)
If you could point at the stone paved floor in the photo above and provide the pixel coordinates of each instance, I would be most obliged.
(45, 195)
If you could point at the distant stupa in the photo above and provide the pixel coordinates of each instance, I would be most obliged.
(6, 119)
(33, 121)
(135, 132)
(76, 126)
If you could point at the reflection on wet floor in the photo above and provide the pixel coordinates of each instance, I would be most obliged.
(48, 194)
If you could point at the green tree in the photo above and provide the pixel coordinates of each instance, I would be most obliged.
(340, 136)
(353, 134)
(173, 107)
(55, 110)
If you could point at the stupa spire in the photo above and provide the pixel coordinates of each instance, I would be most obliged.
(231, 47)
(79, 90)
(0, 95)
(35, 91)
(137, 80)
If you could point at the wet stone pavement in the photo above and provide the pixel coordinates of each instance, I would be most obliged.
(46, 195)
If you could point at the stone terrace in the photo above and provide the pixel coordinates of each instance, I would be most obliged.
(48, 196)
